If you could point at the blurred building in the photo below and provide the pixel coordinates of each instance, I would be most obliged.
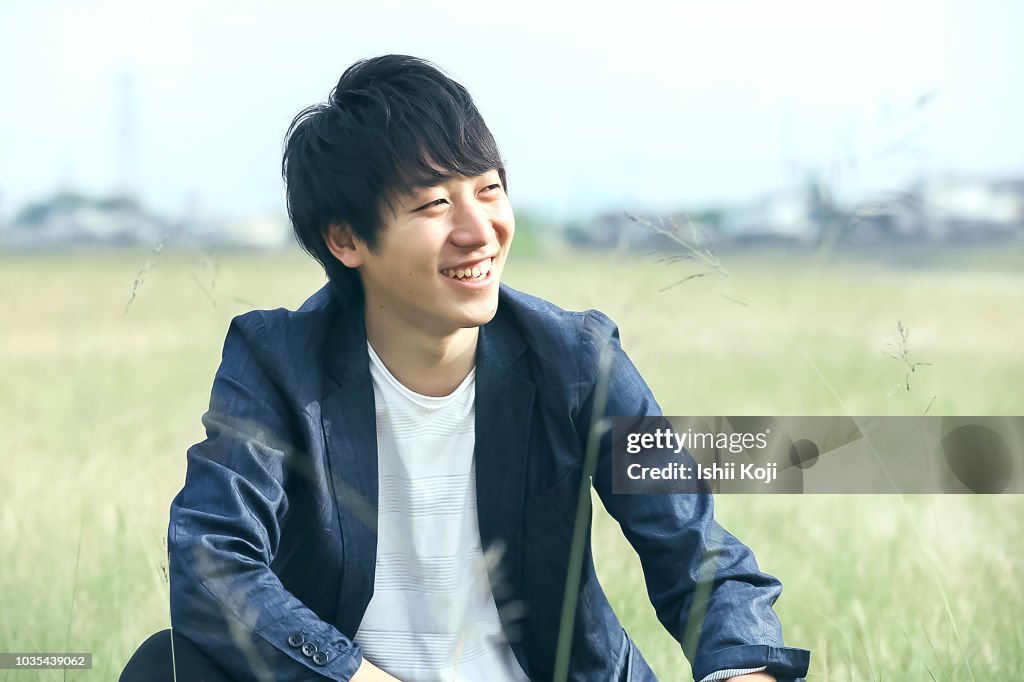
(70, 219)
(789, 215)
(960, 208)
(942, 209)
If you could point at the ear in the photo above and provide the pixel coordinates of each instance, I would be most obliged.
(344, 244)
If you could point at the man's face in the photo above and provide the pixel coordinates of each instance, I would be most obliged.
(439, 258)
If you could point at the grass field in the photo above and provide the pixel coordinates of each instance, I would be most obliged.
(100, 404)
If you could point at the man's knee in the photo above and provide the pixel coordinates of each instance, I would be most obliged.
(153, 662)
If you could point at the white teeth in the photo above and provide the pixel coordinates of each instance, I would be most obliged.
(479, 271)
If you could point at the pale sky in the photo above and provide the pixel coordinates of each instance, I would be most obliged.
(645, 105)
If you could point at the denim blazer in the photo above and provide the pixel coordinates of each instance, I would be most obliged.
(272, 539)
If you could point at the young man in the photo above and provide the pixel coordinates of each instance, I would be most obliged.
(390, 480)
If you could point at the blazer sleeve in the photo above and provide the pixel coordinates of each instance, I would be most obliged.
(224, 531)
(705, 584)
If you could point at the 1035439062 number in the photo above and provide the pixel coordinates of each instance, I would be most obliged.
(10, 661)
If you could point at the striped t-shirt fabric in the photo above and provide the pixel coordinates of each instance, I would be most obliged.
(432, 617)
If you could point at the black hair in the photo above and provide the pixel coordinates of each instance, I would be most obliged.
(391, 124)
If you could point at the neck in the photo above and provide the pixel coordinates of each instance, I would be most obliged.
(429, 364)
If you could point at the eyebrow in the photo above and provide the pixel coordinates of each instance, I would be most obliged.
(428, 182)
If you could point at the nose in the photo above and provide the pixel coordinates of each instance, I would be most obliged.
(471, 226)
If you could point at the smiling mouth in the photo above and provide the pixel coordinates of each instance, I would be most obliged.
(470, 274)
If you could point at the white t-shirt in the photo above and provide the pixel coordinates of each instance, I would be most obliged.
(432, 616)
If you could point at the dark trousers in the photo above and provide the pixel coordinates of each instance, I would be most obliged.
(151, 662)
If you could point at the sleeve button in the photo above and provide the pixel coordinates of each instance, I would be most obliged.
(308, 649)
(296, 639)
(321, 658)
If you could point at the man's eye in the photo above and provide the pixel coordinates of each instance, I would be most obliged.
(488, 188)
(435, 202)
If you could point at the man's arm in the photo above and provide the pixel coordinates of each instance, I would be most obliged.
(705, 585)
(225, 529)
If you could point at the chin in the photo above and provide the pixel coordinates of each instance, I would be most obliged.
(477, 321)
(480, 316)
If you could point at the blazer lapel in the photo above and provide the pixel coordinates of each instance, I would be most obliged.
(350, 433)
(504, 403)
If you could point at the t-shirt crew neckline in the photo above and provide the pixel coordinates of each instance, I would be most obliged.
(429, 401)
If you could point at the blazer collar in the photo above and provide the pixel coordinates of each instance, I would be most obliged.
(504, 409)
(350, 438)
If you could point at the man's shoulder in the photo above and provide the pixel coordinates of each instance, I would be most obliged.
(282, 336)
(550, 330)
(315, 311)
